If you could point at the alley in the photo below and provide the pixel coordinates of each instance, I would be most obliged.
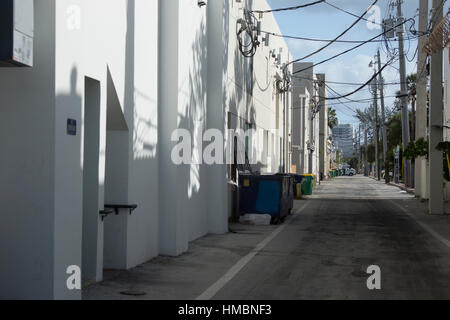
(321, 252)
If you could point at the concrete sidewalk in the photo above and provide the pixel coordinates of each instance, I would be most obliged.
(184, 277)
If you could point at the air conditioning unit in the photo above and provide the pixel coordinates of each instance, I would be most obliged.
(16, 33)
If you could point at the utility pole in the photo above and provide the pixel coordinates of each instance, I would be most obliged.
(311, 138)
(366, 156)
(375, 128)
(359, 148)
(284, 133)
(403, 92)
(422, 100)
(436, 203)
(383, 118)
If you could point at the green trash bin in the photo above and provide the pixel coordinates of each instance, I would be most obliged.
(307, 185)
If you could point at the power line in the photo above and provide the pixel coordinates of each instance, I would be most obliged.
(350, 13)
(349, 108)
(351, 49)
(290, 8)
(337, 93)
(361, 87)
(343, 104)
(343, 83)
(324, 40)
(335, 39)
(368, 100)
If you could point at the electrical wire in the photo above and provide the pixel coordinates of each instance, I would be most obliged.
(366, 100)
(323, 40)
(349, 50)
(361, 87)
(290, 8)
(338, 94)
(352, 14)
(248, 50)
(344, 83)
(335, 39)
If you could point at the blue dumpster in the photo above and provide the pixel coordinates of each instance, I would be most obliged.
(266, 194)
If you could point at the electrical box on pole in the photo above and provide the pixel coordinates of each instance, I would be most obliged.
(16, 33)
(400, 25)
(389, 28)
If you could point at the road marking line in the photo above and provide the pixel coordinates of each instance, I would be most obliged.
(227, 277)
(425, 226)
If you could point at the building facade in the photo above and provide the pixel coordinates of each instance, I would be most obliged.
(324, 147)
(309, 120)
(95, 122)
(343, 139)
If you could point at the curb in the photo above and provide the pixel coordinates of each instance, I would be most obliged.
(402, 187)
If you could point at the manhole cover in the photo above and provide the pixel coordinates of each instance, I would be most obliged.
(134, 293)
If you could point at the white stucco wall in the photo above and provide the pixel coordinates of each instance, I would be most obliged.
(251, 90)
(73, 43)
(122, 43)
(27, 125)
(183, 76)
(133, 76)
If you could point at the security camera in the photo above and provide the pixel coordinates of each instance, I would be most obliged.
(201, 3)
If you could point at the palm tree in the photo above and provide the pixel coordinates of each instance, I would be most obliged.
(332, 118)
(366, 116)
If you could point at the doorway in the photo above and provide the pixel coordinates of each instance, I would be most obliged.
(91, 154)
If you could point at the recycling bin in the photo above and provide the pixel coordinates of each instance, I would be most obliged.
(298, 181)
(313, 178)
(266, 194)
(307, 185)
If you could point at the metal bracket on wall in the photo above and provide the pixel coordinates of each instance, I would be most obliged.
(117, 207)
(105, 213)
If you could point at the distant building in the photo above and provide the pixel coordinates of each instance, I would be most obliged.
(343, 139)
(307, 120)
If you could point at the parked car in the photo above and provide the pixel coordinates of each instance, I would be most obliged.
(350, 172)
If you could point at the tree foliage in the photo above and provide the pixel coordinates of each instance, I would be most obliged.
(416, 149)
(333, 120)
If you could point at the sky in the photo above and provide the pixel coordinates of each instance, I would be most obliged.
(325, 22)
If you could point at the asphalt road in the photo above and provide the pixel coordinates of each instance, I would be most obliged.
(321, 252)
(324, 250)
